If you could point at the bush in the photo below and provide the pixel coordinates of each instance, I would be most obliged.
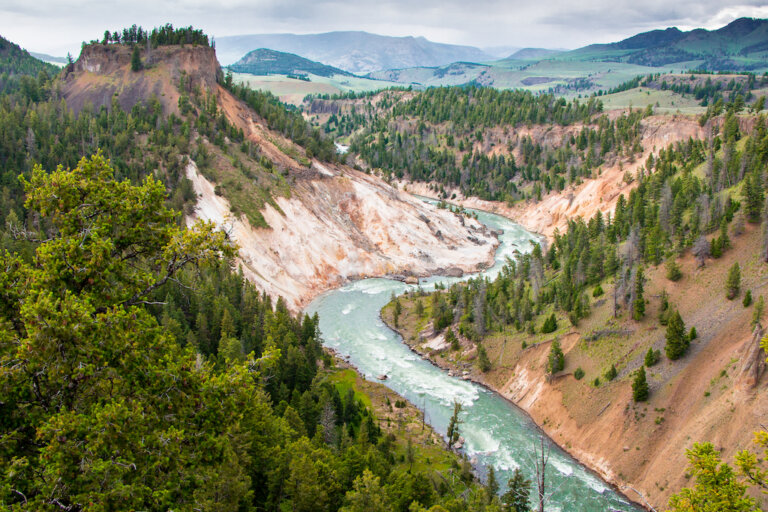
(733, 283)
(611, 373)
(578, 374)
(598, 291)
(596, 382)
(747, 299)
(451, 338)
(692, 334)
(550, 324)
(652, 357)
(673, 270)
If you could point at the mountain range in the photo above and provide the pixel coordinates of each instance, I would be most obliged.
(356, 52)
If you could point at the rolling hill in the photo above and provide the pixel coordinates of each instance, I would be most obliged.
(742, 45)
(356, 52)
(269, 62)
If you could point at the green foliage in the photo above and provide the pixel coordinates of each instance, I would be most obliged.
(733, 281)
(166, 35)
(611, 373)
(136, 60)
(556, 358)
(638, 304)
(452, 434)
(652, 357)
(598, 291)
(677, 340)
(549, 325)
(717, 488)
(747, 299)
(757, 313)
(578, 374)
(640, 386)
(482, 359)
(451, 338)
(692, 334)
(517, 497)
(673, 270)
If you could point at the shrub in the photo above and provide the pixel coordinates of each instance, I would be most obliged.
(611, 373)
(652, 357)
(598, 291)
(747, 299)
(578, 374)
(550, 324)
(673, 270)
(692, 334)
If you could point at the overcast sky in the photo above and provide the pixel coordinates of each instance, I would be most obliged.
(58, 26)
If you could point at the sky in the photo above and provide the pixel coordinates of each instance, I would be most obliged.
(59, 26)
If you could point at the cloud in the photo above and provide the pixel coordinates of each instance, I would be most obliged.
(58, 26)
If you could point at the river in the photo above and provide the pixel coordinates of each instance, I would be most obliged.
(496, 431)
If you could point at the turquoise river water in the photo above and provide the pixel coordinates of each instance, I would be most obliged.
(496, 432)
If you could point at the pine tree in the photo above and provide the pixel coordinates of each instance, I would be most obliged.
(747, 299)
(752, 192)
(136, 60)
(517, 497)
(638, 306)
(550, 324)
(733, 282)
(493, 484)
(677, 341)
(556, 360)
(640, 386)
(651, 357)
(482, 359)
(452, 434)
(673, 270)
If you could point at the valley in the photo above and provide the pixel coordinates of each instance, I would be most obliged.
(528, 283)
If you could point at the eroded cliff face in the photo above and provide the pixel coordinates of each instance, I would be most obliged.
(341, 226)
(104, 71)
(600, 193)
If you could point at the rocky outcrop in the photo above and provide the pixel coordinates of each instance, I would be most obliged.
(753, 364)
(104, 71)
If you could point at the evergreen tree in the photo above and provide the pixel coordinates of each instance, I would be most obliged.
(757, 314)
(482, 359)
(733, 282)
(611, 373)
(673, 270)
(640, 386)
(517, 497)
(752, 192)
(452, 434)
(550, 324)
(136, 59)
(677, 341)
(556, 360)
(747, 299)
(638, 305)
(493, 484)
(651, 357)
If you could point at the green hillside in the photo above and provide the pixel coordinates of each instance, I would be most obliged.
(271, 62)
(742, 45)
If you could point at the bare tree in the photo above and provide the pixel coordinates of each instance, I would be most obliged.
(701, 250)
(541, 458)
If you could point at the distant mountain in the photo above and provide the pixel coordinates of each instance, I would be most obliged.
(356, 52)
(533, 54)
(500, 51)
(270, 62)
(742, 45)
(49, 58)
